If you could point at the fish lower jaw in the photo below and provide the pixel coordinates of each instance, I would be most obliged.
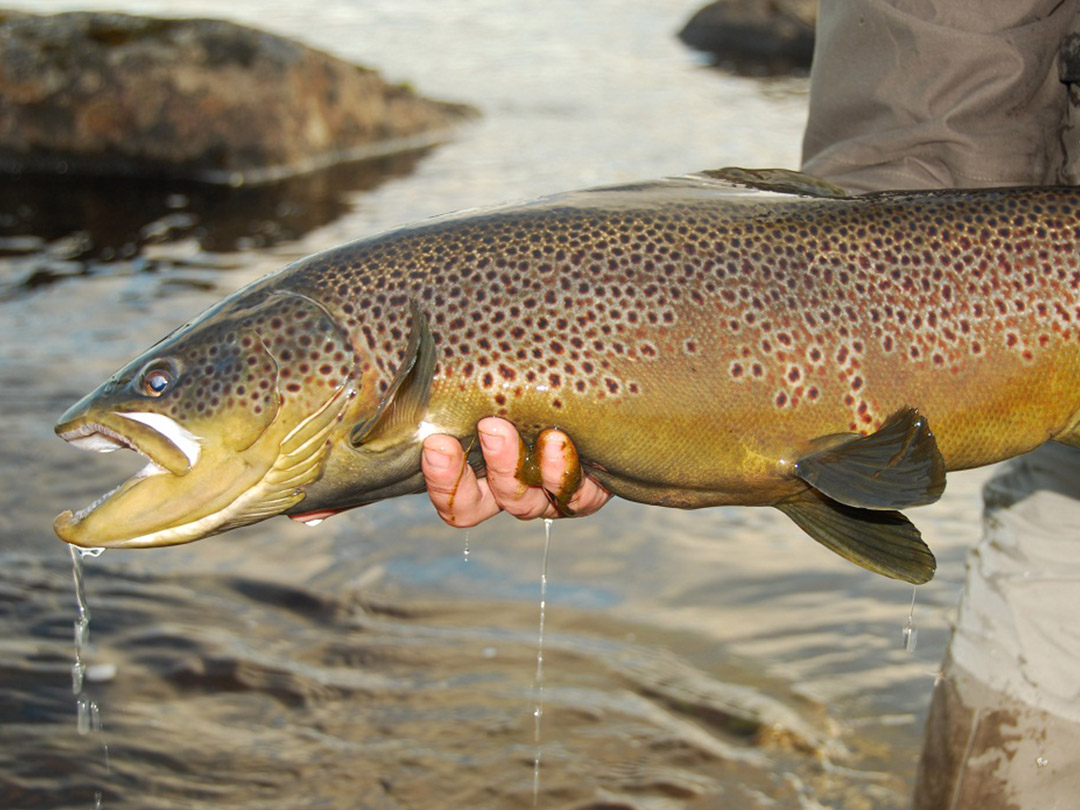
(101, 439)
(150, 469)
(257, 503)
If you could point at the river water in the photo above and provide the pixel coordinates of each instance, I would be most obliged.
(691, 660)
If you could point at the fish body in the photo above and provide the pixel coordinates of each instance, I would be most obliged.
(726, 338)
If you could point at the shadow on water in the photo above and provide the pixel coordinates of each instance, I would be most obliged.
(58, 227)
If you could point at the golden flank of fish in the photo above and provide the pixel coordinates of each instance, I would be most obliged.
(733, 337)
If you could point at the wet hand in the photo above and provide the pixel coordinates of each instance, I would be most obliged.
(462, 499)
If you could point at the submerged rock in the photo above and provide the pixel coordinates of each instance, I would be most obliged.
(772, 36)
(114, 94)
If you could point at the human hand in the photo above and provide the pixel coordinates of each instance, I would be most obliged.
(463, 500)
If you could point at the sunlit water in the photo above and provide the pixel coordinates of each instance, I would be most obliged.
(689, 660)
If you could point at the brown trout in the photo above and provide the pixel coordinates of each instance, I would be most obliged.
(733, 337)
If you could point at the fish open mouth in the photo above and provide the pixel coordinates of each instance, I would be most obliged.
(167, 447)
(101, 439)
(193, 487)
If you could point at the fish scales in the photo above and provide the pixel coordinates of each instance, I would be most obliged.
(775, 321)
(702, 343)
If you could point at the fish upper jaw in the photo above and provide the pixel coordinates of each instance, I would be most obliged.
(163, 442)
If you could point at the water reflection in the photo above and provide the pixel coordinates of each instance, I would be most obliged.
(57, 227)
(230, 691)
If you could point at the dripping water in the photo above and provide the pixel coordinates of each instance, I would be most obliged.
(466, 545)
(87, 712)
(538, 682)
(911, 632)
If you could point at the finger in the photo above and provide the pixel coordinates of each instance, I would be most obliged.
(502, 450)
(560, 468)
(589, 498)
(460, 499)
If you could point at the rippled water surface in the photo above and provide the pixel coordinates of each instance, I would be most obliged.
(691, 660)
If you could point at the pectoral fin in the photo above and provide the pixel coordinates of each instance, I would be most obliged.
(884, 542)
(896, 467)
(406, 403)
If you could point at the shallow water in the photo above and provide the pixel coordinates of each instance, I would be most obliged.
(690, 660)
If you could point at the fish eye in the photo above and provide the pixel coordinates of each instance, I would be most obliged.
(156, 381)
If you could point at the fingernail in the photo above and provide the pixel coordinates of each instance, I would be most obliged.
(436, 460)
(492, 442)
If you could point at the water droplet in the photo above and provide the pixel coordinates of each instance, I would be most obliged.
(82, 631)
(100, 673)
(82, 714)
(466, 545)
(538, 684)
(1042, 761)
(78, 673)
(87, 713)
(911, 632)
(313, 522)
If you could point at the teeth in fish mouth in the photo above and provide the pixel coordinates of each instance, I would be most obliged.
(186, 442)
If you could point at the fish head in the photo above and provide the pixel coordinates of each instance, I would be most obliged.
(232, 412)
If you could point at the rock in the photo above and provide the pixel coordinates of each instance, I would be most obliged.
(114, 94)
(755, 35)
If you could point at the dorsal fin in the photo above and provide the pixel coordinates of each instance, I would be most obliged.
(405, 404)
(779, 180)
(896, 467)
(882, 541)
